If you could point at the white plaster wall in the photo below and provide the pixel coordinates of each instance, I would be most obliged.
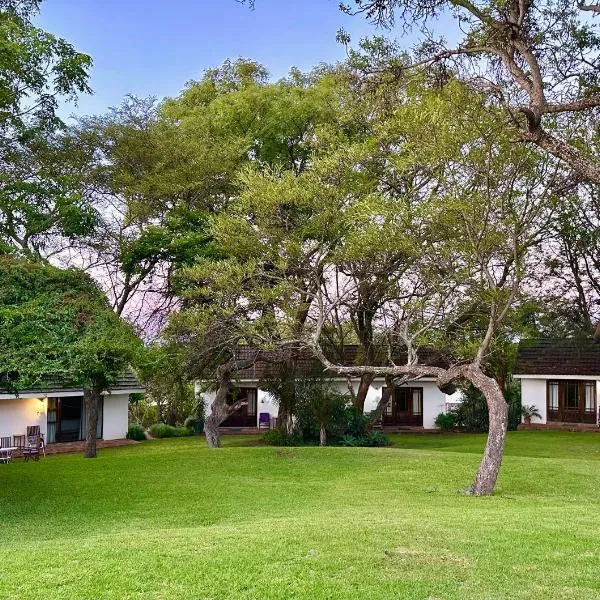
(116, 416)
(434, 401)
(17, 414)
(533, 391)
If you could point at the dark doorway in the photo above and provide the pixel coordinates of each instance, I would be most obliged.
(68, 424)
(245, 416)
(405, 408)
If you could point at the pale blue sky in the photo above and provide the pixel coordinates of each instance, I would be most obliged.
(152, 47)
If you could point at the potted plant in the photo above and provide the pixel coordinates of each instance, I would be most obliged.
(529, 412)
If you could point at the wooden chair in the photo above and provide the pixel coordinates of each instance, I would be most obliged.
(6, 449)
(35, 430)
(32, 447)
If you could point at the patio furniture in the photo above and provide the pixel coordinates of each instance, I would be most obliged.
(35, 430)
(6, 450)
(18, 440)
(32, 447)
(264, 421)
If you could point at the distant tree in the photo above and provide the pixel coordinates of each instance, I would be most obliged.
(56, 328)
(40, 201)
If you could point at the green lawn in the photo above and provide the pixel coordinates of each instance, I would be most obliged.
(172, 520)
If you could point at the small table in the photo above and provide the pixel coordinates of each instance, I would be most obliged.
(6, 454)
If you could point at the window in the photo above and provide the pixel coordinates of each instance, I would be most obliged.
(553, 395)
(417, 402)
(572, 395)
(590, 396)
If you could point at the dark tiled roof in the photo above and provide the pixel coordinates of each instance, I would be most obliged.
(307, 364)
(558, 357)
(127, 381)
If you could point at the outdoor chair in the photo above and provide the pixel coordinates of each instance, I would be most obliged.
(264, 421)
(32, 447)
(6, 450)
(35, 430)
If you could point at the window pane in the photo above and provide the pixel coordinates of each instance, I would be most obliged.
(590, 397)
(572, 396)
(417, 407)
(402, 400)
(553, 396)
(251, 395)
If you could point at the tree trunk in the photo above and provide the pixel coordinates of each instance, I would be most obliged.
(386, 394)
(363, 389)
(323, 435)
(220, 410)
(91, 397)
(487, 474)
(211, 431)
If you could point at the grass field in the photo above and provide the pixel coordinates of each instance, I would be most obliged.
(173, 520)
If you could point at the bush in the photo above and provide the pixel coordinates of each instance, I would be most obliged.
(197, 417)
(135, 432)
(472, 412)
(280, 437)
(161, 430)
(446, 421)
(141, 411)
(372, 439)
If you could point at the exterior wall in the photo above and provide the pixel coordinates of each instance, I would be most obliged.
(533, 392)
(116, 416)
(434, 401)
(16, 414)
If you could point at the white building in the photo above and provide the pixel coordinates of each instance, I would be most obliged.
(561, 378)
(414, 404)
(60, 412)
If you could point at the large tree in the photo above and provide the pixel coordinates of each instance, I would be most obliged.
(40, 203)
(56, 328)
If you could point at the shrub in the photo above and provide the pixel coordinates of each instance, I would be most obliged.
(136, 432)
(372, 439)
(280, 437)
(446, 421)
(472, 412)
(161, 430)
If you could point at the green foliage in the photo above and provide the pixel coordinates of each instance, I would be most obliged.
(372, 439)
(196, 419)
(530, 411)
(136, 432)
(56, 328)
(472, 413)
(163, 371)
(446, 421)
(142, 413)
(162, 430)
(280, 437)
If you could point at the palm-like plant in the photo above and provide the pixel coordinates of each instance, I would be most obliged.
(529, 412)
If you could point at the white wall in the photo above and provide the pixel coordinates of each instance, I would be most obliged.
(533, 392)
(434, 401)
(17, 414)
(116, 416)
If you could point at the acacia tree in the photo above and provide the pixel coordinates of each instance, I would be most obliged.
(537, 59)
(56, 327)
(465, 236)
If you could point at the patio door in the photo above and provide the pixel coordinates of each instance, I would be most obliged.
(405, 408)
(68, 419)
(245, 416)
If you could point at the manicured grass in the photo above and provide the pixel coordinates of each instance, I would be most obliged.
(171, 519)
